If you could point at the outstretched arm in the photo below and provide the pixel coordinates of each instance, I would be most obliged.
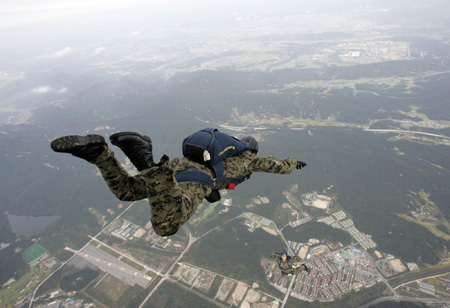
(273, 165)
(296, 259)
(274, 256)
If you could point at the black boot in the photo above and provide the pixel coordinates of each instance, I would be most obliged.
(86, 147)
(138, 148)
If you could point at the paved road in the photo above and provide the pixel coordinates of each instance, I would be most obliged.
(404, 132)
(390, 287)
(293, 278)
(408, 299)
(419, 279)
(165, 276)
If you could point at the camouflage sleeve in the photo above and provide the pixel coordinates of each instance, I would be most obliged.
(274, 256)
(272, 164)
(296, 259)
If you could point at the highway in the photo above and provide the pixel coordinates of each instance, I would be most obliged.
(408, 299)
(293, 278)
(419, 279)
(405, 132)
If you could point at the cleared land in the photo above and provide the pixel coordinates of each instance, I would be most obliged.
(111, 287)
(238, 294)
(224, 289)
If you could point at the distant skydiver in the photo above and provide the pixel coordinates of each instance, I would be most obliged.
(284, 264)
(174, 187)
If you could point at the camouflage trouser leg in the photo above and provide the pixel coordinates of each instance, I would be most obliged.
(121, 184)
(293, 271)
(298, 270)
(172, 204)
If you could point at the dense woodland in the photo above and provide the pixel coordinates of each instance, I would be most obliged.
(78, 280)
(12, 264)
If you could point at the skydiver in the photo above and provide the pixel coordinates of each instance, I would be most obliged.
(285, 266)
(172, 202)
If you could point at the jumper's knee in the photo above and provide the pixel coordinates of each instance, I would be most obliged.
(125, 196)
(165, 231)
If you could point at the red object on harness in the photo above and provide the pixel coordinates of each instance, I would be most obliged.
(231, 186)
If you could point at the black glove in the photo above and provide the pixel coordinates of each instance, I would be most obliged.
(213, 197)
(300, 165)
(306, 268)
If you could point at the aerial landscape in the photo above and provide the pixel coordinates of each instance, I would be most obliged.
(359, 90)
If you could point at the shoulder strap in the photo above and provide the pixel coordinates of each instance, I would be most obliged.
(194, 175)
(224, 180)
(288, 261)
(210, 146)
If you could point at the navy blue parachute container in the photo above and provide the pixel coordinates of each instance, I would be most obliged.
(210, 146)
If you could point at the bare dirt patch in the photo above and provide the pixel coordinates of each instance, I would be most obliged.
(252, 296)
(186, 274)
(238, 294)
(224, 289)
(270, 231)
(112, 287)
(204, 281)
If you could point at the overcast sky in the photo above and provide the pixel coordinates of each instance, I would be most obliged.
(54, 28)
(28, 12)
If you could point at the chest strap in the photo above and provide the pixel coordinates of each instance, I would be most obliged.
(197, 176)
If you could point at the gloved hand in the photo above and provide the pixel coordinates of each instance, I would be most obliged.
(307, 269)
(300, 165)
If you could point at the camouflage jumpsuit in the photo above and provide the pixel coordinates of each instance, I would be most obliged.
(286, 267)
(172, 203)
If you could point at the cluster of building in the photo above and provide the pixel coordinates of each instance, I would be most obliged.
(301, 221)
(68, 303)
(407, 124)
(159, 241)
(232, 292)
(426, 288)
(331, 273)
(273, 273)
(390, 266)
(422, 211)
(126, 230)
(317, 251)
(336, 221)
(373, 51)
(437, 287)
(325, 279)
(295, 247)
(358, 264)
(321, 287)
(255, 221)
(315, 200)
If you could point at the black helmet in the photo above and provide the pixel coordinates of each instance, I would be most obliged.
(252, 142)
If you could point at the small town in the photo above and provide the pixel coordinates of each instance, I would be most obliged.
(335, 269)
